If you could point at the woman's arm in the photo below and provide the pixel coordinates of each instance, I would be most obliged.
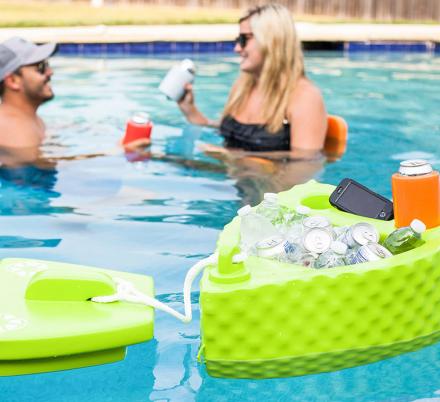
(192, 113)
(308, 120)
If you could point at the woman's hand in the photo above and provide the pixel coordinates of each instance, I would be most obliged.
(136, 145)
(186, 102)
(189, 109)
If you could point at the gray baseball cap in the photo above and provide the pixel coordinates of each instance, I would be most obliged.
(16, 52)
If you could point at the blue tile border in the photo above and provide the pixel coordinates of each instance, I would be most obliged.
(143, 48)
(161, 47)
(409, 47)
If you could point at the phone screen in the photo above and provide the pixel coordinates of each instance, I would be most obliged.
(356, 199)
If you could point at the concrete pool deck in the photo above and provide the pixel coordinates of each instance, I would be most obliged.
(309, 32)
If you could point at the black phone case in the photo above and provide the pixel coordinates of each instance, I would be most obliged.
(371, 199)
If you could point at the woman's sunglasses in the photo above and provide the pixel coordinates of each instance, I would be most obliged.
(243, 38)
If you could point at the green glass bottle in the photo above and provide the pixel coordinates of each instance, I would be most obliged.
(405, 238)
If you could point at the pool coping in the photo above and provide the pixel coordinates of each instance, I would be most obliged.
(223, 32)
(149, 39)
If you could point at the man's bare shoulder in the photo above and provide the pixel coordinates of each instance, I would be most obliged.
(17, 130)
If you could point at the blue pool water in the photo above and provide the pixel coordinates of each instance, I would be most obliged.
(159, 217)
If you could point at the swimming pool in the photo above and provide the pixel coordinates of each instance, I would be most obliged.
(158, 218)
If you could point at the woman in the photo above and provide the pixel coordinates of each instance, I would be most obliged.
(272, 105)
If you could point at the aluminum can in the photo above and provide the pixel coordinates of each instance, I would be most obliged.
(274, 247)
(320, 222)
(306, 260)
(416, 194)
(316, 222)
(415, 167)
(138, 127)
(317, 240)
(370, 252)
(360, 234)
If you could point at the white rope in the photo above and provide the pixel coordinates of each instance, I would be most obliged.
(126, 291)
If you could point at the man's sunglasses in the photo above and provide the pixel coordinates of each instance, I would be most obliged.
(41, 67)
(243, 38)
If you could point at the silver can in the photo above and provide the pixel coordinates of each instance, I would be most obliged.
(316, 222)
(274, 247)
(370, 252)
(415, 167)
(360, 234)
(317, 240)
(321, 222)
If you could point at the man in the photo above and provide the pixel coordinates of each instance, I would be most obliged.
(24, 85)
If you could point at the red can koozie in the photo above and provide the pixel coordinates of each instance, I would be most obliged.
(138, 127)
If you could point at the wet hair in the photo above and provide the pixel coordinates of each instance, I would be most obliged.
(274, 31)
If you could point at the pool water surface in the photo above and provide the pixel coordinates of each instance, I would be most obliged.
(158, 216)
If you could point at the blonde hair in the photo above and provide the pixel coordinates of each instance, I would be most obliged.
(274, 30)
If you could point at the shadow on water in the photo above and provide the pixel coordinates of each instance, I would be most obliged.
(381, 381)
(166, 369)
(23, 242)
(28, 190)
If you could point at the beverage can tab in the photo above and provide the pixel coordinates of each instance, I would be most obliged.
(415, 167)
(317, 240)
(373, 252)
(363, 233)
(316, 222)
(140, 118)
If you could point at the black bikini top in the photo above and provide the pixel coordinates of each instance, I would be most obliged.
(254, 137)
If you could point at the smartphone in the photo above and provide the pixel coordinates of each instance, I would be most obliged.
(351, 196)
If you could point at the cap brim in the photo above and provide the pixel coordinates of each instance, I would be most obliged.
(41, 53)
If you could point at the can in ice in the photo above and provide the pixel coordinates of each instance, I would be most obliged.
(317, 240)
(369, 252)
(360, 234)
(306, 260)
(275, 247)
(316, 222)
(320, 222)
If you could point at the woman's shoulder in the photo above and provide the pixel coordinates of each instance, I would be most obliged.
(306, 88)
(305, 95)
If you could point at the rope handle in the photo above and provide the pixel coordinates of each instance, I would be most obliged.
(126, 291)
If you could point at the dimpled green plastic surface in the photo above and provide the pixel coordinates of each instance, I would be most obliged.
(48, 323)
(287, 320)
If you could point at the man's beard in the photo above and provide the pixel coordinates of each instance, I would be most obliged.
(37, 97)
(48, 98)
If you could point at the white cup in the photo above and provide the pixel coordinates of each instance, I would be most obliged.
(173, 85)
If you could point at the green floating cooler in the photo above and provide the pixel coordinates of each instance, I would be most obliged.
(48, 323)
(265, 319)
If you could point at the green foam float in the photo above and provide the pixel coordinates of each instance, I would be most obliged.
(262, 319)
(48, 323)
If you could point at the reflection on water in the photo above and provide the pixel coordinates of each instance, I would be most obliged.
(28, 190)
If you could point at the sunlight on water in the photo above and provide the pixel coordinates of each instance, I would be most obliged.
(159, 216)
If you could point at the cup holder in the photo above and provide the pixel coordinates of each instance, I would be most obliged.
(316, 202)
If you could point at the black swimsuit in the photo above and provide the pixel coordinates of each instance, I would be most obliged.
(254, 137)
